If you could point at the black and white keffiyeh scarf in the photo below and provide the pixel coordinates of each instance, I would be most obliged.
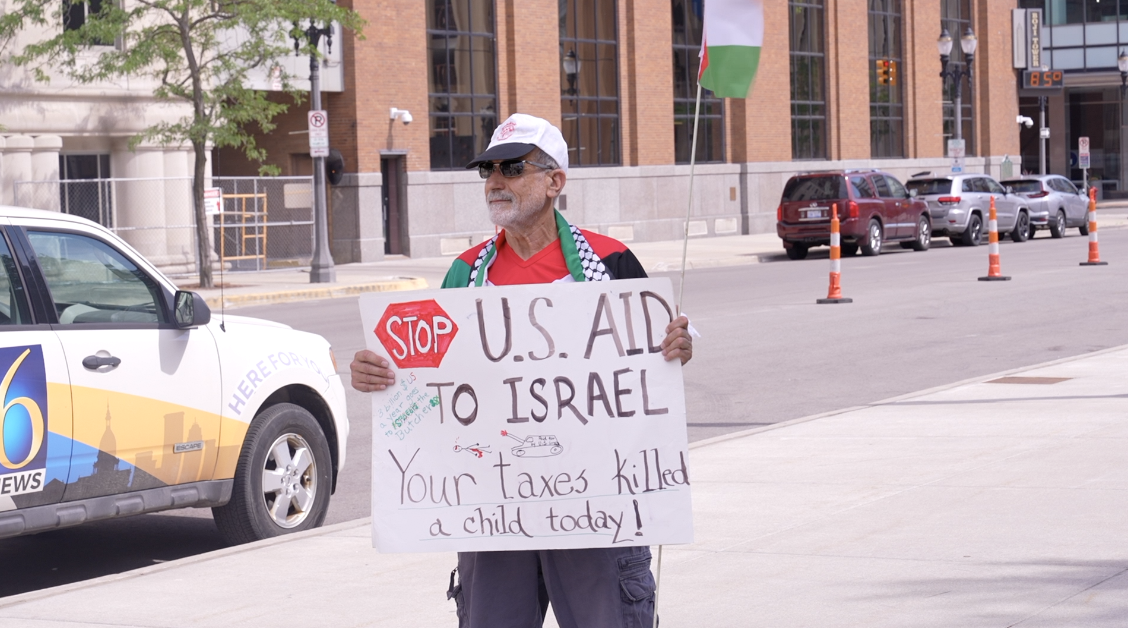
(582, 262)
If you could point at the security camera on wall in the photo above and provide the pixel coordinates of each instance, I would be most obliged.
(402, 114)
(1028, 122)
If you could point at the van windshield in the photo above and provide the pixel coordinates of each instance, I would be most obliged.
(924, 187)
(816, 188)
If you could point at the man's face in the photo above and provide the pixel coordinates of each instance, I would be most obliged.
(517, 201)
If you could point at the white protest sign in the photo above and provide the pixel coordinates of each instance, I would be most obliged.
(528, 417)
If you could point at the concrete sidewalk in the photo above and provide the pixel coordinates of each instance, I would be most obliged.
(403, 273)
(984, 503)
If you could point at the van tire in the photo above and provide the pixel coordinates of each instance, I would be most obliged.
(281, 434)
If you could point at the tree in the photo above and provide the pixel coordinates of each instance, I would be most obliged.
(198, 52)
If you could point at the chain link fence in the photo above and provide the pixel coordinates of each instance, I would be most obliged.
(262, 222)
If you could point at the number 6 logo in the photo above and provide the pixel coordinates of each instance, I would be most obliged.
(33, 411)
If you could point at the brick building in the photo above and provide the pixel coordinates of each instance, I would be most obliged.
(618, 77)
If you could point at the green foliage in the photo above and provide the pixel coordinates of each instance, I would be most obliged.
(197, 52)
(194, 52)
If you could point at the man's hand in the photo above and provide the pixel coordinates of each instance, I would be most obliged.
(370, 372)
(678, 344)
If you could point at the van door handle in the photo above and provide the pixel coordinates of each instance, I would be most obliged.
(94, 362)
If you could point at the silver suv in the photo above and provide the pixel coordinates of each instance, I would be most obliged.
(1056, 197)
(959, 206)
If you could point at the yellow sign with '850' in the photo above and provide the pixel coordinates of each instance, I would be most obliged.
(23, 424)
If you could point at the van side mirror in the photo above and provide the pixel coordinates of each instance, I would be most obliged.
(191, 310)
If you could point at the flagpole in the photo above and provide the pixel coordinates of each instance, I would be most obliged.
(689, 207)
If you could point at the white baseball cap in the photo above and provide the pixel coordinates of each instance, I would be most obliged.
(521, 133)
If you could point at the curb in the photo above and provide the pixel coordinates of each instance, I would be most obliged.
(311, 294)
(899, 398)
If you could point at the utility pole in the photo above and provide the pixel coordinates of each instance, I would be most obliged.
(321, 265)
(1043, 135)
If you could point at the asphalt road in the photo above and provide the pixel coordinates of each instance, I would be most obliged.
(767, 354)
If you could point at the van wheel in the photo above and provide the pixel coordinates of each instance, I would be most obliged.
(974, 231)
(1057, 227)
(797, 251)
(1084, 228)
(282, 480)
(924, 235)
(874, 237)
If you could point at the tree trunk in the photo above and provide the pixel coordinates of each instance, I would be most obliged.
(203, 248)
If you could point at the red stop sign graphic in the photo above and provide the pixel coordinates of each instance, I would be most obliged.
(416, 334)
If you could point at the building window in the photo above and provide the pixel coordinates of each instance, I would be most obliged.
(808, 79)
(77, 13)
(462, 80)
(589, 81)
(955, 15)
(1079, 11)
(887, 105)
(85, 189)
(711, 127)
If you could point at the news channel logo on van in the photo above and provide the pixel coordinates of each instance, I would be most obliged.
(23, 425)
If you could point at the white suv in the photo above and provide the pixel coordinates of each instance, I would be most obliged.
(122, 395)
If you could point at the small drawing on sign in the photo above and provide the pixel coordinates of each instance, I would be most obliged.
(476, 449)
(535, 446)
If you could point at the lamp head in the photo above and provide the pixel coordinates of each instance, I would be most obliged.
(968, 42)
(944, 43)
(571, 64)
(1122, 62)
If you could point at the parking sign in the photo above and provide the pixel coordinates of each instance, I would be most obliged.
(1083, 153)
(318, 133)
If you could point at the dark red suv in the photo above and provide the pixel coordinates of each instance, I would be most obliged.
(873, 208)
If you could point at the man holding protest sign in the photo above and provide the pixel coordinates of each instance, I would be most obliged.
(525, 169)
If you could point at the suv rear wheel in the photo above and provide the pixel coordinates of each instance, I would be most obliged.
(974, 231)
(1021, 228)
(874, 236)
(797, 251)
(924, 234)
(1057, 227)
(283, 478)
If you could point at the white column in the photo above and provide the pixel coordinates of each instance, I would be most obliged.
(45, 170)
(17, 167)
(139, 202)
(180, 235)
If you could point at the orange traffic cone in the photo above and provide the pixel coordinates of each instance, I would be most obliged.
(1094, 248)
(993, 270)
(834, 295)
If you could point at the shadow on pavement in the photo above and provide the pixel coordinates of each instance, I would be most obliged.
(101, 548)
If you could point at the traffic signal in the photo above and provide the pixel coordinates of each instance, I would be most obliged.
(334, 166)
(882, 71)
(886, 71)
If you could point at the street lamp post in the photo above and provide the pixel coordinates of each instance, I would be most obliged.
(571, 70)
(968, 44)
(1122, 64)
(321, 265)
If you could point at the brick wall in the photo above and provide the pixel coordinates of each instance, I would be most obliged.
(646, 57)
(848, 78)
(763, 132)
(996, 83)
(924, 113)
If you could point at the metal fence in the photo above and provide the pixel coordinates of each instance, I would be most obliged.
(263, 222)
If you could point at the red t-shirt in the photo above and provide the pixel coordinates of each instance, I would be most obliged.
(546, 266)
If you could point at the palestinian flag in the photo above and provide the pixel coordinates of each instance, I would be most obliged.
(730, 46)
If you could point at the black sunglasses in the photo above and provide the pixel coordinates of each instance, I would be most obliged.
(509, 169)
